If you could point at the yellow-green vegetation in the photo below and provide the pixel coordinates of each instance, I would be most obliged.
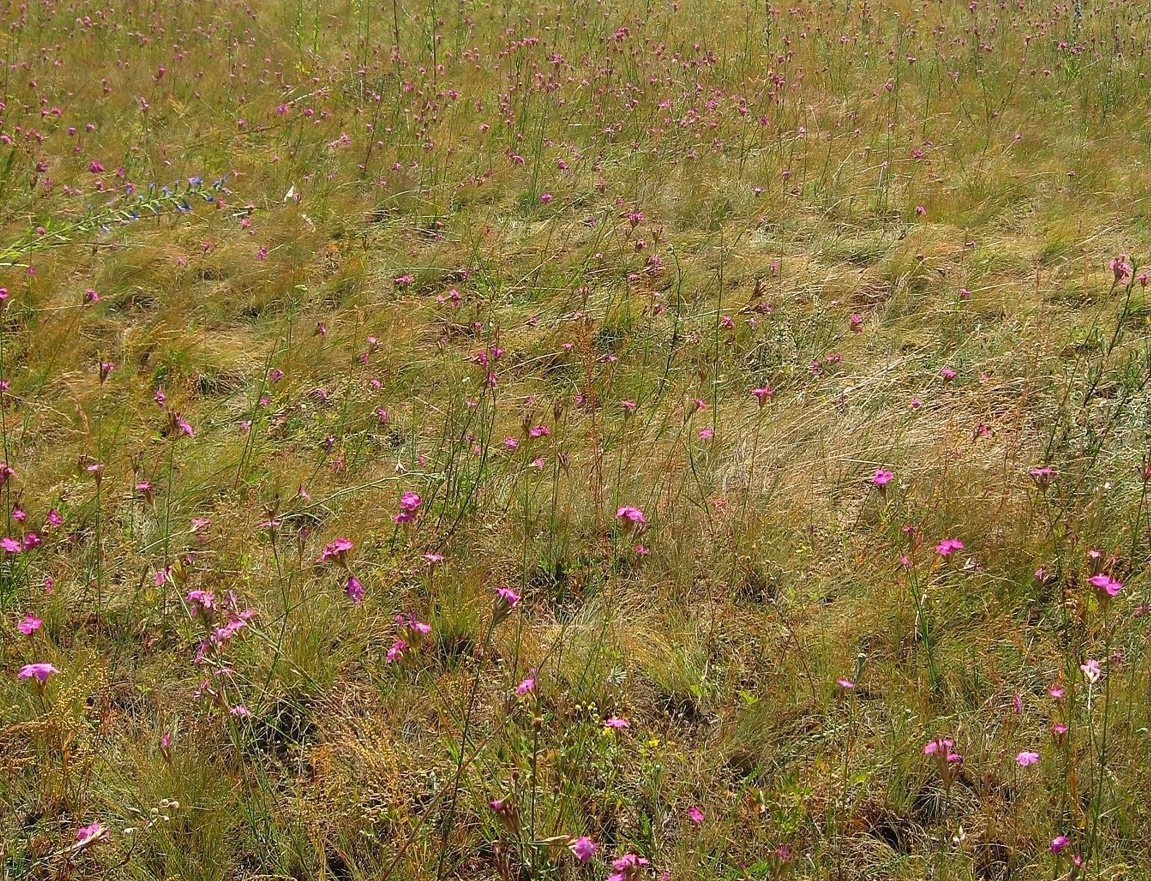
(679, 440)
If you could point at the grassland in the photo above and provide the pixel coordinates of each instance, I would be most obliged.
(501, 441)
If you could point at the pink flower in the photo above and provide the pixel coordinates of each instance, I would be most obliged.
(1056, 691)
(947, 761)
(396, 651)
(54, 518)
(10, 545)
(412, 623)
(881, 478)
(409, 503)
(505, 809)
(627, 868)
(1027, 758)
(40, 672)
(336, 550)
(507, 597)
(1042, 475)
(763, 394)
(933, 746)
(1059, 844)
(1105, 586)
(1096, 560)
(89, 834)
(583, 848)
(528, 685)
(634, 516)
(948, 374)
(616, 722)
(948, 546)
(539, 431)
(695, 815)
(29, 624)
(201, 600)
(1120, 268)
(355, 589)
(241, 712)
(845, 684)
(1092, 672)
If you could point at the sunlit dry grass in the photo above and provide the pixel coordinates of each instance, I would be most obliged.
(785, 367)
